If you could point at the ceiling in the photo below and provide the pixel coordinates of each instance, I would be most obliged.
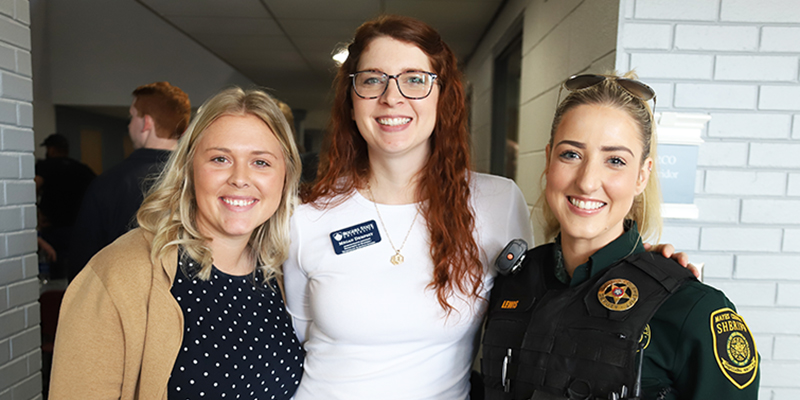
(286, 45)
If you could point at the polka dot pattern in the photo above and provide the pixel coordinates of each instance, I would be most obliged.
(238, 341)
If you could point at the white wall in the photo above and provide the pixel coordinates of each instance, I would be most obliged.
(20, 355)
(560, 38)
(736, 60)
(95, 52)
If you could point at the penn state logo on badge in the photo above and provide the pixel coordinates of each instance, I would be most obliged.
(734, 347)
(618, 294)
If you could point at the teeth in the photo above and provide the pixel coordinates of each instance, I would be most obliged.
(238, 203)
(586, 205)
(393, 121)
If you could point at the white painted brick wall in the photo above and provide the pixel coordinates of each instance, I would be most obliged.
(760, 11)
(775, 155)
(737, 182)
(714, 37)
(7, 58)
(741, 293)
(789, 295)
(715, 96)
(20, 356)
(678, 66)
(684, 238)
(782, 97)
(793, 188)
(647, 36)
(692, 10)
(16, 87)
(762, 68)
(717, 209)
(722, 154)
(791, 240)
(740, 239)
(796, 127)
(771, 211)
(750, 125)
(770, 267)
(787, 348)
(784, 321)
(748, 185)
(780, 39)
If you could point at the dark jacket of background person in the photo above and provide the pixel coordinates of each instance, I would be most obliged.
(60, 185)
(109, 207)
(64, 183)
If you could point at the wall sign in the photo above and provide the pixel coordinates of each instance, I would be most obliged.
(678, 145)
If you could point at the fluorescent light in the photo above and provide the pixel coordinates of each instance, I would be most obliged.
(341, 56)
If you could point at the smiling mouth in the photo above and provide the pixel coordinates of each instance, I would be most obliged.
(586, 205)
(238, 203)
(393, 121)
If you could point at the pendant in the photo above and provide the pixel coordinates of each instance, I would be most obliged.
(397, 259)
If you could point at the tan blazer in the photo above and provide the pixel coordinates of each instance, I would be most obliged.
(120, 329)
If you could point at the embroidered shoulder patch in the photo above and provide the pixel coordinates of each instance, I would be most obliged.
(734, 347)
(644, 340)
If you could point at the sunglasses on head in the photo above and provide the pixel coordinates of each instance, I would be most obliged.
(633, 87)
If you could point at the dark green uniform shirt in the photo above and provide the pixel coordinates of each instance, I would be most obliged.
(695, 343)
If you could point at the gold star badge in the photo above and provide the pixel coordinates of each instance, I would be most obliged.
(618, 294)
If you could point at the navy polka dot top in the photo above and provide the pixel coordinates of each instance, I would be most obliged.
(238, 341)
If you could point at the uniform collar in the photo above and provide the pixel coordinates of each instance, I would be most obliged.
(627, 244)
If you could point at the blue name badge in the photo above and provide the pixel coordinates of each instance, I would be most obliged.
(355, 237)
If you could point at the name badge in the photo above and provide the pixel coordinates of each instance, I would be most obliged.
(355, 237)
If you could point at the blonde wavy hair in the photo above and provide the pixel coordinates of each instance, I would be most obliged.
(646, 208)
(169, 210)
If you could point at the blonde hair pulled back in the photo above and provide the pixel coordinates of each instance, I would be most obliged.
(646, 208)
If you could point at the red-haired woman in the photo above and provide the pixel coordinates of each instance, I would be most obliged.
(390, 258)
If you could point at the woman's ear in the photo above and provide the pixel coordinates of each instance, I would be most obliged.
(546, 158)
(644, 175)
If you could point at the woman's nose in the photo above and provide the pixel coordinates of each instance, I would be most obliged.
(239, 176)
(588, 179)
(392, 95)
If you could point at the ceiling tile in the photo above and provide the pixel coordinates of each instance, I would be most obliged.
(208, 26)
(208, 8)
(360, 10)
(320, 27)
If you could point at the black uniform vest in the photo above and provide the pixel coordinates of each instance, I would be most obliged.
(543, 335)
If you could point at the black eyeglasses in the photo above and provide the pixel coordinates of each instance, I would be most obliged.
(633, 87)
(414, 85)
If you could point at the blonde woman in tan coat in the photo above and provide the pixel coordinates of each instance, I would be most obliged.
(188, 305)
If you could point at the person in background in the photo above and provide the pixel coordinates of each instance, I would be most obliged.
(188, 305)
(159, 114)
(592, 315)
(309, 159)
(61, 183)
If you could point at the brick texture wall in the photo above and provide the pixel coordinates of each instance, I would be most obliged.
(736, 60)
(20, 356)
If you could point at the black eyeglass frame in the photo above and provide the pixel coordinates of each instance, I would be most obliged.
(396, 81)
(635, 88)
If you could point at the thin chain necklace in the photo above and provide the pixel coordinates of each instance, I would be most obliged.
(396, 258)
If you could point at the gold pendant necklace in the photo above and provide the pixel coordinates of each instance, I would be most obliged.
(396, 258)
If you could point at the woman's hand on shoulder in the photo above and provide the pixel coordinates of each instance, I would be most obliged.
(668, 250)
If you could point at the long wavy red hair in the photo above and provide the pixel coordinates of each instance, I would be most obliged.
(443, 181)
